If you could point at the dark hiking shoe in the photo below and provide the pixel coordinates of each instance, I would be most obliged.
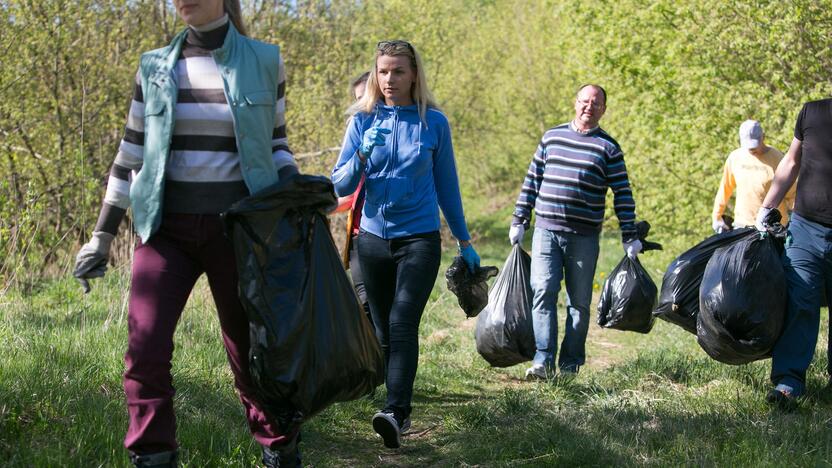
(405, 427)
(387, 426)
(781, 400)
(284, 456)
(568, 374)
(155, 460)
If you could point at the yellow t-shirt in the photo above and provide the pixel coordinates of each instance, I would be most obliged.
(749, 178)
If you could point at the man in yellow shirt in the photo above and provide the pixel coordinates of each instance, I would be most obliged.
(748, 171)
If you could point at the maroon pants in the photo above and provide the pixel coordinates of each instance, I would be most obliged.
(165, 270)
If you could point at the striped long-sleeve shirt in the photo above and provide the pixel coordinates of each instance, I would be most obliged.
(567, 182)
(203, 173)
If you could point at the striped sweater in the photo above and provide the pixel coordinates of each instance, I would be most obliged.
(203, 169)
(567, 182)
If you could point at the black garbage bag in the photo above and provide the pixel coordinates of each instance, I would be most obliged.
(471, 289)
(311, 343)
(629, 293)
(504, 334)
(679, 296)
(628, 298)
(742, 301)
(642, 230)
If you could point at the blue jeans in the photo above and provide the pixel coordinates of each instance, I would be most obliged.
(556, 255)
(399, 275)
(808, 264)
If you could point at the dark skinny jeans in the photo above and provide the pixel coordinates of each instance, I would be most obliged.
(399, 275)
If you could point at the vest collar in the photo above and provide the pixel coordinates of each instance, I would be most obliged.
(231, 38)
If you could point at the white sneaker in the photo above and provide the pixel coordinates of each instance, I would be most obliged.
(536, 372)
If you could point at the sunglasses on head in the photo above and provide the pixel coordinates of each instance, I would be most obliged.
(382, 45)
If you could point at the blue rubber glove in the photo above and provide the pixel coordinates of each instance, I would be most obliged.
(374, 136)
(470, 256)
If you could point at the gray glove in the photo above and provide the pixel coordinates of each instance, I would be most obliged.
(91, 261)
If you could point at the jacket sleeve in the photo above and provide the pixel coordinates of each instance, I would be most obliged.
(447, 182)
(281, 154)
(348, 170)
(723, 194)
(129, 159)
(531, 188)
(625, 205)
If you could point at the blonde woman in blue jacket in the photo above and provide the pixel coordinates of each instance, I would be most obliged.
(206, 128)
(401, 142)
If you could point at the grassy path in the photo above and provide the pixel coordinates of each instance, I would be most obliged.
(652, 399)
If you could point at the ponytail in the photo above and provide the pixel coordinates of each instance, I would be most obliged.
(235, 14)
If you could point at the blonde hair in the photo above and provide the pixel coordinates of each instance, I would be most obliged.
(420, 93)
(235, 14)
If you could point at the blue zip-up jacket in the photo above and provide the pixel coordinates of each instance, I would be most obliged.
(409, 178)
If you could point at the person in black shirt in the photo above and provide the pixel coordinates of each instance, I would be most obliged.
(808, 255)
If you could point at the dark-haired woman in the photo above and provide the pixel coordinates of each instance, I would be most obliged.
(353, 204)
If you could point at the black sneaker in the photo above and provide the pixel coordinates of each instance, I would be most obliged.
(155, 460)
(782, 400)
(386, 425)
(284, 456)
(405, 427)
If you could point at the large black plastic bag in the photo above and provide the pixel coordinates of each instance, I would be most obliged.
(471, 289)
(505, 335)
(311, 343)
(679, 296)
(628, 298)
(742, 301)
(629, 294)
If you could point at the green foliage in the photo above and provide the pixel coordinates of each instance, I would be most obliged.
(65, 73)
(681, 76)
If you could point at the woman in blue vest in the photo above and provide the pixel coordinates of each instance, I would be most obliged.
(400, 142)
(206, 128)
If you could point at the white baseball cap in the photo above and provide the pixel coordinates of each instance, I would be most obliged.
(751, 134)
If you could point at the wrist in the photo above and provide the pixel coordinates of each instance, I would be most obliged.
(361, 156)
(101, 241)
(463, 244)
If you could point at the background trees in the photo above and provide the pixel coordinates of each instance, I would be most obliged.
(681, 76)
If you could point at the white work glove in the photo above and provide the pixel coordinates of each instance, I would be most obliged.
(91, 261)
(515, 234)
(632, 248)
(720, 226)
(761, 216)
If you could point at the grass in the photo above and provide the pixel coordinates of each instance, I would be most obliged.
(652, 399)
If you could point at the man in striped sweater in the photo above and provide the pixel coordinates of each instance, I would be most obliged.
(566, 185)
